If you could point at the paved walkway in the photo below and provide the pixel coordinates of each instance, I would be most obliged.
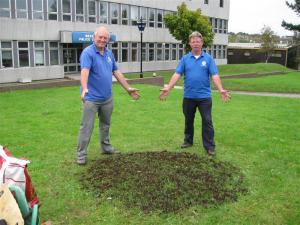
(286, 95)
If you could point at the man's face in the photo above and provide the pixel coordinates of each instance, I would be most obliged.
(196, 43)
(101, 39)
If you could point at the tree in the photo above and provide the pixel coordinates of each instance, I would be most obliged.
(295, 7)
(268, 41)
(184, 22)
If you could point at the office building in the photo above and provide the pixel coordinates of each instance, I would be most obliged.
(43, 39)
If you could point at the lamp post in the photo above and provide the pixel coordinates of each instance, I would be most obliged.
(141, 26)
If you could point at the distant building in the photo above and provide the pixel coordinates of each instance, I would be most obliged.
(243, 53)
(43, 39)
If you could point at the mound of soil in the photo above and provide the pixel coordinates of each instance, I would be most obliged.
(164, 181)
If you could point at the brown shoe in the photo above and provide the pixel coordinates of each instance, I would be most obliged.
(211, 152)
(186, 145)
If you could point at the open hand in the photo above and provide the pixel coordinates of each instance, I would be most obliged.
(164, 93)
(225, 95)
(133, 92)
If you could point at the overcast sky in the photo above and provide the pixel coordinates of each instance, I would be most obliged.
(250, 16)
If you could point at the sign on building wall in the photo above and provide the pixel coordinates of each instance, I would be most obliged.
(82, 37)
(87, 37)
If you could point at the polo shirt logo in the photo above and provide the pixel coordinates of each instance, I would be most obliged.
(108, 59)
(203, 63)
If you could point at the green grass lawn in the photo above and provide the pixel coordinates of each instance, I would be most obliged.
(260, 135)
(288, 82)
(285, 83)
(227, 69)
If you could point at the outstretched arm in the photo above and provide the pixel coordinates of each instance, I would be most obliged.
(165, 91)
(224, 93)
(121, 79)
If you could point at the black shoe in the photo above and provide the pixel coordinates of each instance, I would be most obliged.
(111, 152)
(211, 152)
(186, 145)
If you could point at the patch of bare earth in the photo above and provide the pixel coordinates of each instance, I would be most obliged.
(164, 181)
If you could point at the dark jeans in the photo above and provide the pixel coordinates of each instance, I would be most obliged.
(204, 106)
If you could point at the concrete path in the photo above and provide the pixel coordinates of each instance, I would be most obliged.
(286, 95)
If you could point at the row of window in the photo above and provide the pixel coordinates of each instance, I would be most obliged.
(129, 51)
(32, 53)
(91, 11)
(43, 53)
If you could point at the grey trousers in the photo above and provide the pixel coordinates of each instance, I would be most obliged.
(104, 110)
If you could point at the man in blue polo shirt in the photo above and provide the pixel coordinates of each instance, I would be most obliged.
(197, 67)
(98, 65)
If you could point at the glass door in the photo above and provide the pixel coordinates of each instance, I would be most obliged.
(70, 60)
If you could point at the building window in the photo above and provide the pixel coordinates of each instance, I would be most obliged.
(6, 54)
(134, 15)
(159, 52)
(39, 53)
(134, 52)
(225, 26)
(220, 26)
(216, 25)
(79, 11)
(159, 18)
(54, 60)
(103, 12)
(23, 53)
(208, 50)
(125, 14)
(5, 8)
(174, 50)
(37, 9)
(221, 3)
(124, 52)
(151, 17)
(92, 11)
(180, 51)
(21, 8)
(52, 9)
(144, 52)
(115, 50)
(167, 52)
(205, 1)
(114, 13)
(66, 7)
(151, 52)
(214, 51)
(143, 14)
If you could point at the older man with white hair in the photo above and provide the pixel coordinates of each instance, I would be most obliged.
(98, 65)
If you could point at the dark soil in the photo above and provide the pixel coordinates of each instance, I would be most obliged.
(164, 181)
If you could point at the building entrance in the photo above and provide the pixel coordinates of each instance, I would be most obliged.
(71, 56)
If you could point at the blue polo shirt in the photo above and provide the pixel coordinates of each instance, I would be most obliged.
(197, 73)
(100, 77)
